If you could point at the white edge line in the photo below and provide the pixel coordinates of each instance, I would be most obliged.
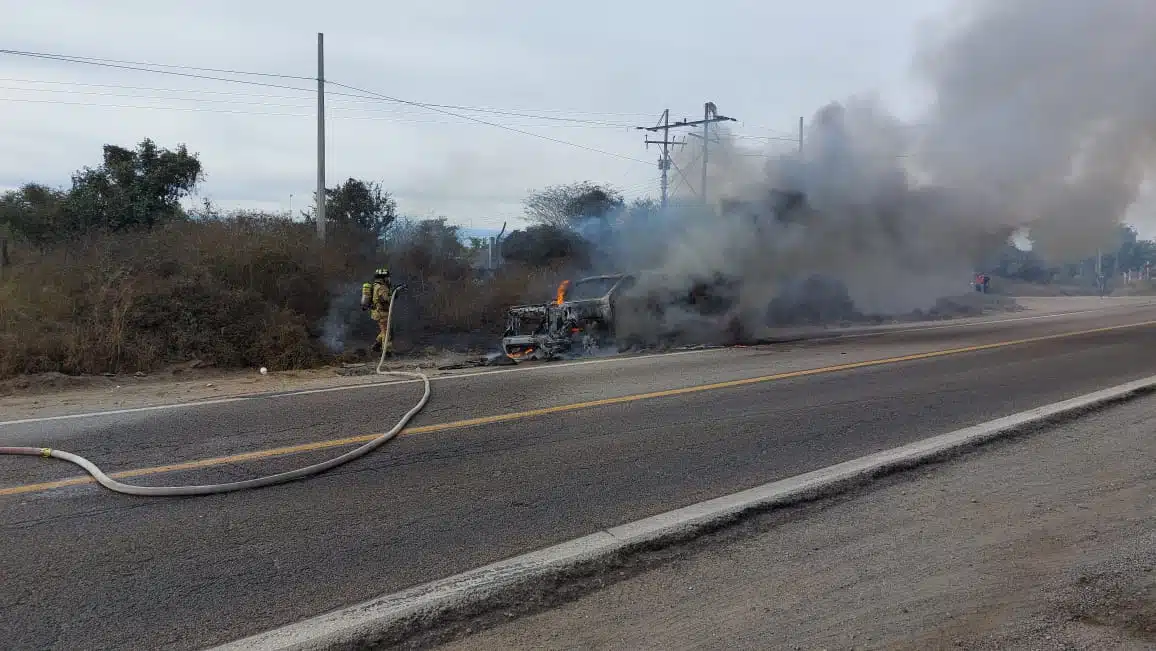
(350, 387)
(425, 603)
(884, 330)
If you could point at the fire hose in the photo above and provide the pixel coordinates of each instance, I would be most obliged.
(259, 482)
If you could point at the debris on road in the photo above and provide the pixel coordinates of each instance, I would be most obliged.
(493, 359)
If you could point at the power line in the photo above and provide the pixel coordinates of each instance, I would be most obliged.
(190, 109)
(492, 124)
(437, 108)
(201, 109)
(240, 99)
(710, 116)
(152, 89)
(568, 122)
(771, 129)
(636, 187)
(139, 68)
(99, 60)
(683, 180)
(146, 67)
(69, 59)
(474, 109)
(747, 137)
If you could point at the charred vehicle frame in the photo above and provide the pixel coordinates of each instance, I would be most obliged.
(613, 310)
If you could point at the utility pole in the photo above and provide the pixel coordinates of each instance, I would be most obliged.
(664, 164)
(666, 142)
(800, 134)
(320, 211)
(710, 116)
(708, 112)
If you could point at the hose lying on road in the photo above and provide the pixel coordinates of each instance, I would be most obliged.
(268, 480)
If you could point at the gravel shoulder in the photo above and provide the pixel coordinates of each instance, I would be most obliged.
(1047, 542)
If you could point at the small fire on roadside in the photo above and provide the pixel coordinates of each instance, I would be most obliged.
(562, 292)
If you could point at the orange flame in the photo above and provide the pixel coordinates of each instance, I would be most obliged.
(562, 292)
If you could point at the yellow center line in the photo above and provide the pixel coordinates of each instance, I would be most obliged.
(545, 411)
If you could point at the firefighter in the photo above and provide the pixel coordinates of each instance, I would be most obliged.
(375, 298)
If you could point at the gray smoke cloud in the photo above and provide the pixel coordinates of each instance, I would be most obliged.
(1046, 108)
(1044, 119)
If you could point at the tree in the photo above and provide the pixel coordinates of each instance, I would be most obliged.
(428, 248)
(542, 244)
(34, 213)
(360, 204)
(1134, 252)
(564, 206)
(1012, 262)
(132, 189)
(642, 210)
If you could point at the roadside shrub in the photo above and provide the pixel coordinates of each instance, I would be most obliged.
(230, 292)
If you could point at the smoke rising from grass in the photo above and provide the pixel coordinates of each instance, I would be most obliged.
(343, 308)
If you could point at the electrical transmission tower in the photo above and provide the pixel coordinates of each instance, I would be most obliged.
(710, 116)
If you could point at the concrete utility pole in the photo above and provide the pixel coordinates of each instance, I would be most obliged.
(800, 134)
(664, 160)
(710, 116)
(320, 211)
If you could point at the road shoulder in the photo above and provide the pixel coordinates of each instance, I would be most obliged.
(1044, 542)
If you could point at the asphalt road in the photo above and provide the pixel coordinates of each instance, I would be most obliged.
(1045, 542)
(85, 568)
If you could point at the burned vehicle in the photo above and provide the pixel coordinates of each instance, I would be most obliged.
(580, 318)
(621, 311)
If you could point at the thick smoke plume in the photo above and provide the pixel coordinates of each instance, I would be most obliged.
(1044, 119)
(1047, 110)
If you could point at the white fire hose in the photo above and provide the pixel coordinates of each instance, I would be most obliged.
(268, 480)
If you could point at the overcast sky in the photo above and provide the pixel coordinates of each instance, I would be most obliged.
(610, 64)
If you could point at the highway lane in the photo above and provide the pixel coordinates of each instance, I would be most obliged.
(89, 569)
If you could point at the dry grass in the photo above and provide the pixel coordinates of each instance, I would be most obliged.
(229, 292)
(241, 292)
